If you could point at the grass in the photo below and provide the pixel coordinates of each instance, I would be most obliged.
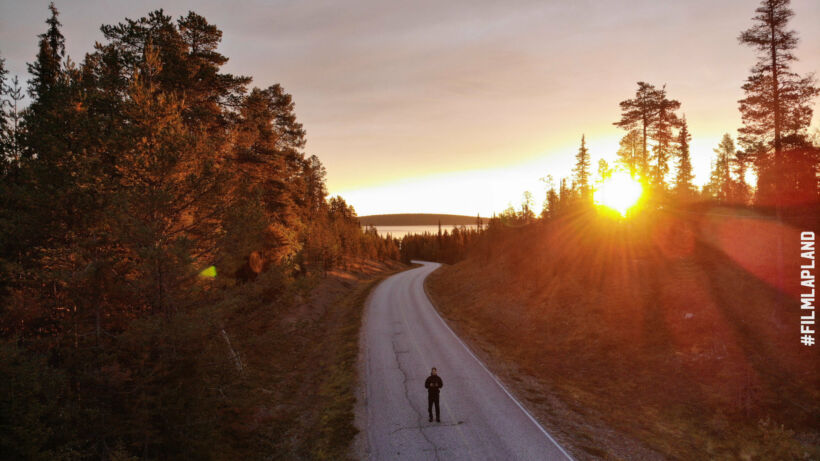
(336, 399)
(667, 328)
(300, 354)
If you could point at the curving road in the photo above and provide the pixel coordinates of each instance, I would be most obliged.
(403, 337)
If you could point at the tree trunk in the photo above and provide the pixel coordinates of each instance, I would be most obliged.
(777, 114)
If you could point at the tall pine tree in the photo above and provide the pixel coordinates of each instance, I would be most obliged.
(14, 97)
(777, 110)
(665, 121)
(582, 169)
(46, 70)
(720, 182)
(5, 144)
(640, 113)
(684, 189)
(630, 155)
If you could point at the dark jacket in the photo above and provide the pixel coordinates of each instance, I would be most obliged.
(433, 384)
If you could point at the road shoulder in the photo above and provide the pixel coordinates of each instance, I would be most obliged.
(360, 448)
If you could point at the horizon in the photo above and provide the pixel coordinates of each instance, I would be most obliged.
(429, 86)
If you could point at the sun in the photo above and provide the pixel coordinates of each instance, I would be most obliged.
(619, 192)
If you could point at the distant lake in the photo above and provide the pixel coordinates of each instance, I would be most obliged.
(401, 231)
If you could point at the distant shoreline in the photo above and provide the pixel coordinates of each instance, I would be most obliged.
(419, 219)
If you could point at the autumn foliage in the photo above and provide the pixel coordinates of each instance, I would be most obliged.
(148, 201)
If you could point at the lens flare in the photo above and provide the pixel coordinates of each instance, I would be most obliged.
(209, 272)
(619, 192)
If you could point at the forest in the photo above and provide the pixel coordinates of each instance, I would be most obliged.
(156, 214)
(167, 246)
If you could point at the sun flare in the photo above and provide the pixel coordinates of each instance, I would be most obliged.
(619, 192)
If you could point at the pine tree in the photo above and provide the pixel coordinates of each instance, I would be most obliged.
(47, 147)
(566, 196)
(267, 146)
(604, 171)
(684, 189)
(551, 204)
(720, 182)
(776, 110)
(46, 70)
(315, 190)
(5, 143)
(582, 169)
(14, 93)
(630, 155)
(653, 115)
(190, 63)
(46, 136)
(640, 113)
(741, 191)
(170, 182)
(526, 215)
(665, 120)
(548, 209)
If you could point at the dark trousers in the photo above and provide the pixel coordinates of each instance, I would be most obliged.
(433, 399)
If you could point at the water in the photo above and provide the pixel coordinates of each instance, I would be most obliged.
(401, 231)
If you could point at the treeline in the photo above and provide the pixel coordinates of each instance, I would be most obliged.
(774, 141)
(147, 199)
(444, 246)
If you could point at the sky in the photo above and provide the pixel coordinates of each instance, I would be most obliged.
(456, 106)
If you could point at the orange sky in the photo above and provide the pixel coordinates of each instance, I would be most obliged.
(458, 106)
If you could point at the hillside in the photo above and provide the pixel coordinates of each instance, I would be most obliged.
(670, 336)
(418, 219)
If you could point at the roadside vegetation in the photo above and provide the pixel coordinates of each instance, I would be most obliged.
(673, 320)
(175, 282)
(668, 335)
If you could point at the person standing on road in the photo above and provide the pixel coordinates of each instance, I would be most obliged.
(433, 384)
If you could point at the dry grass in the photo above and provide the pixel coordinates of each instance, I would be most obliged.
(677, 330)
(301, 357)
